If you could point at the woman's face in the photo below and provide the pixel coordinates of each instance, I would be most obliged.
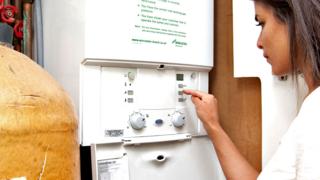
(273, 40)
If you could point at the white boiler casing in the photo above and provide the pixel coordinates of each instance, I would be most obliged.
(130, 100)
(125, 64)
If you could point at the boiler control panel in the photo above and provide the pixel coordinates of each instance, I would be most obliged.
(126, 100)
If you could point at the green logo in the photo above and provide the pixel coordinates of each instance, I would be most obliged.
(179, 43)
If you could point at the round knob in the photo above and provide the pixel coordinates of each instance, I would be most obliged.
(131, 76)
(178, 119)
(137, 121)
(193, 75)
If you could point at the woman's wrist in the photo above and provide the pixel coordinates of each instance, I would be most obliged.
(213, 128)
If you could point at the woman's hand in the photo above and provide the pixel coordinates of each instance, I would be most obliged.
(207, 108)
(228, 154)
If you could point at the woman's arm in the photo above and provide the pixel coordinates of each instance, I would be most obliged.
(233, 164)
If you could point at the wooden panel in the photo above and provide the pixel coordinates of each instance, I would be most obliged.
(239, 99)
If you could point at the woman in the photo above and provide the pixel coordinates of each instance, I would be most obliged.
(290, 40)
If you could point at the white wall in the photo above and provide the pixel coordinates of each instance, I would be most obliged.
(63, 41)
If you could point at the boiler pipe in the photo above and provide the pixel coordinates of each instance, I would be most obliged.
(27, 29)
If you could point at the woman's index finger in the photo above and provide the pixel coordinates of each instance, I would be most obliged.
(193, 93)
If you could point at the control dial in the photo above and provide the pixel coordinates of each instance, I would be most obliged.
(178, 119)
(131, 76)
(137, 121)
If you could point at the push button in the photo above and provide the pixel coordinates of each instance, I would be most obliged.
(159, 122)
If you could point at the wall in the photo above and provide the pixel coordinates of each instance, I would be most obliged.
(239, 98)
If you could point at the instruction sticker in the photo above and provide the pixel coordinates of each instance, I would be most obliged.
(113, 169)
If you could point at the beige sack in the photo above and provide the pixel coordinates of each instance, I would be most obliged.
(38, 127)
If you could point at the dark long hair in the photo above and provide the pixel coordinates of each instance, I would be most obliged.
(303, 20)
